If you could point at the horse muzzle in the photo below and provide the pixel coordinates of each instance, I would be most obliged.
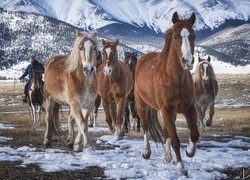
(188, 64)
(88, 70)
(107, 71)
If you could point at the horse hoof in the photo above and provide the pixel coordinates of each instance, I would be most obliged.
(168, 158)
(181, 170)
(146, 153)
(208, 123)
(70, 145)
(47, 145)
(91, 125)
(77, 148)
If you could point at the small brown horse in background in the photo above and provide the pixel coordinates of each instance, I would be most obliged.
(131, 60)
(206, 89)
(115, 82)
(35, 95)
(71, 80)
(164, 83)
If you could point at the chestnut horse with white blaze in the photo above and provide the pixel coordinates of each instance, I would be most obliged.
(115, 82)
(206, 89)
(71, 80)
(164, 84)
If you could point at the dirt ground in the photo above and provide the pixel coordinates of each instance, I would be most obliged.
(228, 121)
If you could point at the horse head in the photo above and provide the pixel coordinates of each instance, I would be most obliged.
(110, 55)
(85, 53)
(183, 39)
(205, 69)
(131, 60)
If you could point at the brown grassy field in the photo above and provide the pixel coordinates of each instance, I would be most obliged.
(228, 121)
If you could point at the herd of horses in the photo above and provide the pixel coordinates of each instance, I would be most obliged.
(153, 89)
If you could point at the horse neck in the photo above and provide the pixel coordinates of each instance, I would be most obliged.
(172, 66)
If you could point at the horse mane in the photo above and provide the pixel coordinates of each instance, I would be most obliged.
(166, 48)
(73, 59)
(196, 75)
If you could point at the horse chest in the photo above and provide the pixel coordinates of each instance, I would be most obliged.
(204, 99)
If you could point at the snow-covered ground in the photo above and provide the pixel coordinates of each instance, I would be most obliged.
(125, 161)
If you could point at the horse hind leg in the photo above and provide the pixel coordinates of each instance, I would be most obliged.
(211, 114)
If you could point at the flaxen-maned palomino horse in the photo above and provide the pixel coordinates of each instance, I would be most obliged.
(164, 83)
(71, 80)
(206, 89)
(35, 95)
(131, 60)
(115, 82)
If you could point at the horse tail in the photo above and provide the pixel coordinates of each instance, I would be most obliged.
(56, 128)
(156, 127)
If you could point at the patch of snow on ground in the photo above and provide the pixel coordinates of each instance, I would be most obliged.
(125, 160)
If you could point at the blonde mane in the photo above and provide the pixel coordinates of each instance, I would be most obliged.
(72, 60)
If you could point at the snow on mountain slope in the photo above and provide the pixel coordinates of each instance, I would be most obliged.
(154, 14)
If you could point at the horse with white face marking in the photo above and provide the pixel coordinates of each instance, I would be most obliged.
(35, 97)
(115, 83)
(206, 89)
(71, 80)
(164, 84)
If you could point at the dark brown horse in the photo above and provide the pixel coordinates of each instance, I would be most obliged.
(131, 60)
(206, 89)
(115, 82)
(164, 83)
(35, 95)
(94, 112)
(71, 80)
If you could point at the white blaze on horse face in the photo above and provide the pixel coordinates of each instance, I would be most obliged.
(205, 74)
(186, 49)
(87, 64)
(107, 69)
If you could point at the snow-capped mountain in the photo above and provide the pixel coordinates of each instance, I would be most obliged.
(153, 14)
(231, 45)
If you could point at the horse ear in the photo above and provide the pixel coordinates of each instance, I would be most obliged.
(134, 54)
(191, 20)
(103, 42)
(199, 59)
(116, 42)
(78, 33)
(175, 17)
(208, 59)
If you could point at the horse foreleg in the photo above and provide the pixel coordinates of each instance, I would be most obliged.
(70, 138)
(97, 104)
(170, 129)
(119, 117)
(49, 106)
(33, 113)
(107, 115)
(191, 117)
(82, 126)
(126, 122)
(211, 114)
(142, 110)
(200, 117)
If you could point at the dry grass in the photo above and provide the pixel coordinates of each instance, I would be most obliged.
(227, 121)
